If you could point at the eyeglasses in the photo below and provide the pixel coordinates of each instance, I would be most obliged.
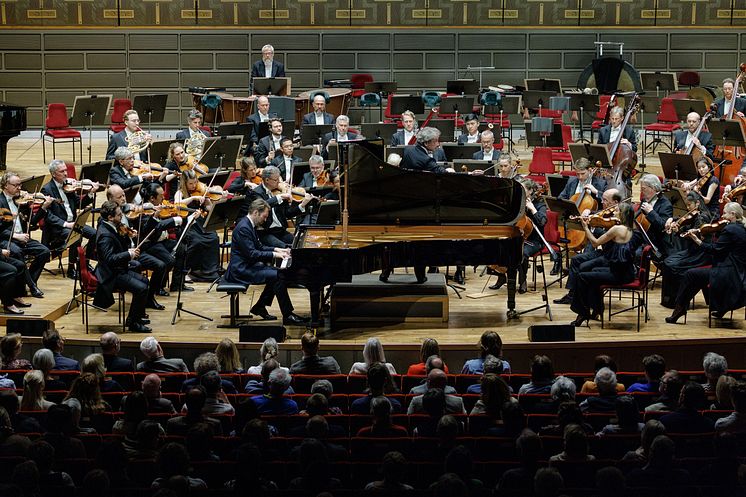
(14, 184)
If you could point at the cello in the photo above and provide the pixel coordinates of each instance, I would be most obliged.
(734, 155)
(583, 202)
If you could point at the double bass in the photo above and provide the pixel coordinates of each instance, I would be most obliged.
(623, 158)
(732, 155)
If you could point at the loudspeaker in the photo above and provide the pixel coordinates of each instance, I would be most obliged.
(260, 332)
(29, 327)
(551, 333)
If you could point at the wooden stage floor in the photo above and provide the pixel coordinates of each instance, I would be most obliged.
(479, 310)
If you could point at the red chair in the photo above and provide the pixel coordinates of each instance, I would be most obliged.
(667, 123)
(552, 236)
(555, 115)
(71, 170)
(637, 287)
(88, 284)
(57, 129)
(358, 83)
(603, 106)
(689, 78)
(541, 164)
(563, 155)
(121, 105)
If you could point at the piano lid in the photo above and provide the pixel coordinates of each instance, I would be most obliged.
(384, 194)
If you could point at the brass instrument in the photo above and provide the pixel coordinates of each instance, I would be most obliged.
(137, 141)
(194, 145)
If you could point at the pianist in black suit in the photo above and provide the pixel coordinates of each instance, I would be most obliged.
(488, 151)
(22, 246)
(194, 120)
(724, 103)
(319, 114)
(250, 264)
(284, 159)
(703, 142)
(59, 217)
(131, 133)
(268, 67)
(274, 233)
(419, 156)
(405, 135)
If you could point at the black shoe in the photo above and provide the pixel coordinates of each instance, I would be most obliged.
(71, 272)
(566, 299)
(523, 287)
(501, 280)
(458, 277)
(262, 313)
(139, 327)
(676, 314)
(293, 319)
(579, 321)
(36, 292)
(717, 314)
(383, 278)
(421, 280)
(144, 320)
(163, 293)
(556, 269)
(20, 303)
(153, 304)
(175, 289)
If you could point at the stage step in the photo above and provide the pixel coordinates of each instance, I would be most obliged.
(368, 301)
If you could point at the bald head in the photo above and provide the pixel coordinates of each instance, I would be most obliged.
(611, 197)
(115, 194)
(109, 343)
(436, 379)
(692, 121)
(151, 386)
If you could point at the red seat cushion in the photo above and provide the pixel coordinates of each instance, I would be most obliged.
(665, 127)
(63, 133)
(116, 128)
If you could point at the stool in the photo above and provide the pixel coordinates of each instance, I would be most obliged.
(233, 290)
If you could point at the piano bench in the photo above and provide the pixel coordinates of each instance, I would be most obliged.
(233, 290)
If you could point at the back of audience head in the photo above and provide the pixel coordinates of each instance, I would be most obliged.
(228, 357)
(575, 441)
(714, 366)
(110, 343)
(43, 360)
(211, 381)
(542, 370)
(514, 419)
(548, 482)
(173, 460)
(662, 453)
(135, 406)
(738, 394)
(459, 461)
(198, 441)
(449, 485)
(245, 412)
(434, 402)
(434, 362)
(723, 392)
(94, 363)
(495, 392)
(279, 381)
(60, 419)
(96, 483)
(655, 366)
(267, 367)
(652, 429)
(393, 467)
(448, 429)
(606, 381)
(148, 434)
(437, 378)
(52, 340)
(692, 396)
(490, 343)
(429, 348)
(309, 342)
(610, 481)
(317, 405)
(26, 476)
(627, 412)
(42, 453)
(151, 386)
(269, 349)
(195, 400)
(671, 384)
(317, 427)
(569, 413)
(604, 361)
(380, 409)
(373, 351)
(492, 364)
(378, 378)
(563, 389)
(529, 447)
(205, 362)
(256, 432)
(324, 387)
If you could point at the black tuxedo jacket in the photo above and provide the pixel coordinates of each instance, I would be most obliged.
(705, 138)
(283, 210)
(605, 132)
(117, 140)
(249, 258)
(238, 187)
(262, 150)
(572, 185)
(463, 138)
(662, 210)
(184, 134)
(118, 176)
(278, 69)
(310, 118)
(113, 260)
(149, 224)
(417, 158)
(279, 163)
(56, 216)
(6, 227)
(118, 364)
(480, 155)
(720, 104)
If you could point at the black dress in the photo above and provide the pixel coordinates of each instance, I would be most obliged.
(688, 255)
(203, 251)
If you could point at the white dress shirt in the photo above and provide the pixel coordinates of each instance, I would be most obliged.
(17, 228)
(614, 134)
(65, 202)
(267, 68)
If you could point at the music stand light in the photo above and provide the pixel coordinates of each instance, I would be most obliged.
(446, 127)
(597, 154)
(243, 130)
(90, 110)
(402, 103)
(543, 126)
(537, 139)
(678, 166)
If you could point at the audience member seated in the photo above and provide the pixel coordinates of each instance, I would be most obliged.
(245, 412)
(491, 364)
(318, 428)
(318, 405)
(687, 419)
(11, 445)
(135, 408)
(173, 461)
(714, 366)
(393, 470)
(627, 418)
(654, 366)
(575, 445)
(513, 421)
(382, 426)
(199, 442)
(85, 389)
(542, 376)
(314, 469)
(258, 433)
(601, 361)
(155, 362)
(490, 343)
(230, 361)
(736, 421)
(494, 393)
(10, 349)
(606, 400)
(428, 348)
(434, 405)
(94, 364)
(60, 428)
(312, 363)
(268, 350)
(203, 364)
(723, 396)
(96, 483)
(567, 413)
(145, 442)
(660, 470)
(548, 482)
(521, 479)
(43, 360)
(563, 390)
(448, 485)
(194, 402)
(25, 478)
(250, 473)
(110, 348)
(431, 363)
(459, 462)
(42, 453)
(21, 423)
(379, 384)
(53, 341)
(438, 379)
(325, 388)
(610, 482)
(372, 354)
(216, 402)
(670, 388)
(33, 392)
(274, 401)
(151, 387)
(650, 431)
(261, 386)
(112, 459)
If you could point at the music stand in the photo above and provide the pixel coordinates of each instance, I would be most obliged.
(152, 106)
(537, 99)
(684, 106)
(219, 149)
(580, 102)
(159, 150)
(382, 88)
(463, 151)
(541, 84)
(564, 209)
(271, 86)
(282, 107)
(329, 213)
(90, 110)
(456, 105)
(462, 86)
(313, 134)
(381, 131)
(304, 153)
(243, 130)
(657, 81)
(447, 128)
(728, 133)
(402, 103)
(98, 172)
(221, 176)
(472, 164)
(543, 139)
(557, 183)
(33, 184)
(594, 152)
(223, 213)
(678, 166)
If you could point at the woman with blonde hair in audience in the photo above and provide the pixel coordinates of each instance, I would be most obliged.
(33, 392)
(269, 350)
(94, 363)
(428, 348)
(372, 353)
(10, 348)
(723, 396)
(230, 361)
(495, 392)
(85, 389)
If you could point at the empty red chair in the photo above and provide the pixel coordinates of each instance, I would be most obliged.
(603, 106)
(57, 129)
(667, 123)
(541, 164)
(358, 83)
(121, 105)
(563, 154)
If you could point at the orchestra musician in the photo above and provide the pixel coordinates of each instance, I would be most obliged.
(725, 281)
(113, 270)
(506, 169)
(177, 159)
(285, 159)
(15, 234)
(130, 133)
(268, 67)
(317, 176)
(340, 133)
(657, 209)
(404, 136)
(203, 252)
(536, 210)
(274, 232)
(59, 217)
(619, 254)
(708, 186)
(245, 183)
(589, 259)
(12, 283)
(737, 181)
(595, 185)
(488, 151)
(419, 157)
(684, 137)
(609, 133)
(249, 265)
(266, 148)
(194, 120)
(121, 172)
(319, 114)
(261, 115)
(730, 97)
(472, 135)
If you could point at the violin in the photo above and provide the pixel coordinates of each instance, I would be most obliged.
(701, 182)
(138, 211)
(80, 186)
(598, 220)
(125, 230)
(167, 210)
(26, 198)
(192, 164)
(323, 179)
(687, 218)
(142, 167)
(734, 193)
(215, 193)
(707, 229)
(6, 215)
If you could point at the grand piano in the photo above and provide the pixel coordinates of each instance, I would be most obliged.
(399, 217)
(12, 122)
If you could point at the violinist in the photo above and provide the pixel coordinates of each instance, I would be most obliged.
(657, 209)
(274, 231)
(245, 183)
(285, 159)
(725, 281)
(203, 252)
(15, 234)
(488, 151)
(589, 259)
(406, 135)
(194, 121)
(113, 270)
(121, 172)
(536, 210)
(708, 186)
(683, 138)
(472, 135)
(610, 132)
(177, 159)
(730, 97)
(130, 134)
(593, 184)
(267, 147)
(59, 217)
(738, 182)
(318, 176)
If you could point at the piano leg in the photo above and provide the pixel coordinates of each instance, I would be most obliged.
(315, 297)
(512, 279)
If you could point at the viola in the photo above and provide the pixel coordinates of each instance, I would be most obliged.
(26, 198)
(687, 218)
(6, 215)
(323, 179)
(191, 164)
(708, 229)
(599, 221)
(125, 230)
(167, 210)
(734, 193)
(80, 186)
(138, 211)
(142, 167)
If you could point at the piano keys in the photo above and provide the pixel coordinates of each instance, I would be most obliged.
(12, 122)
